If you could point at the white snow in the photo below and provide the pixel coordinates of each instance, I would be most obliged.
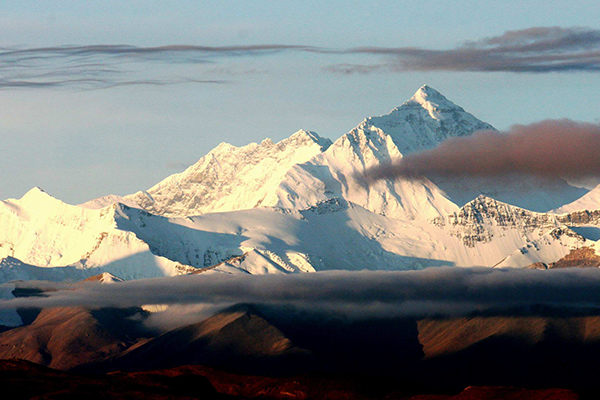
(300, 205)
(42, 231)
(589, 201)
(106, 201)
(231, 178)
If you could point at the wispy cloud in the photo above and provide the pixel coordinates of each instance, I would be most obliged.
(108, 66)
(533, 50)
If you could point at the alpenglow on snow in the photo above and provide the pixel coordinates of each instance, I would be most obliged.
(300, 205)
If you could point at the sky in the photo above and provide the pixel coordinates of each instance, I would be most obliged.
(110, 97)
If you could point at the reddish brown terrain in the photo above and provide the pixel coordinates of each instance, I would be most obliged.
(25, 380)
(65, 337)
(584, 257)
(303, 355)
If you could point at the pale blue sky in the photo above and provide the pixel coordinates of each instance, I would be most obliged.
(82, 141)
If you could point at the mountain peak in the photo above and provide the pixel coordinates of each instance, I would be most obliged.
(427, 93)
(37, 195)
(304, 136)
(232, 178)
(424, 121)
(431, 100)
(36, 190)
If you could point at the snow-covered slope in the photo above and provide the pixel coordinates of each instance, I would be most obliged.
(501, 227)
(42, 231)
(334, 234)
(590, 201)
(429, 118)
(300, 205)
(341, 235)
(421, 123)
(338, 173)
(304, 170)
(231, 178)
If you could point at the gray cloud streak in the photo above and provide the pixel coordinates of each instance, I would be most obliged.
(533, 50)
(125, 50)
(444, 290)
(108, 66)
(554, 148)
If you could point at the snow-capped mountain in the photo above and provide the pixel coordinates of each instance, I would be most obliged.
(41, 231)
(424, 121)
(299, 205)
(428, 118)
(231, 178)
(346, 236)
(304, 170)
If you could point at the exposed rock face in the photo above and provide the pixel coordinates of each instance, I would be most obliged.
(582, 217)
(473, 222)
(584, 257)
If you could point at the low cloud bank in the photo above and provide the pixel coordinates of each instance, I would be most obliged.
(554, 148)
(434, 291)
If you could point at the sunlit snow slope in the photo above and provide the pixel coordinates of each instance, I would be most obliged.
(42, 231)
(301, 205)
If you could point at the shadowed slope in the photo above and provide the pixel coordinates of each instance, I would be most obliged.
(65, 337)
(238, 338)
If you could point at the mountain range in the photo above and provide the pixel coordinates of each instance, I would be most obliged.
(303, 205)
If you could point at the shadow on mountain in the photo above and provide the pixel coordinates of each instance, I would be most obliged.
(23, 380)
(239, 339)
(324, 232)
(380, 346)
(511, 351)
(425, 355)
(278, 342)
(65, 337)
(346, 248)
(135, 266)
